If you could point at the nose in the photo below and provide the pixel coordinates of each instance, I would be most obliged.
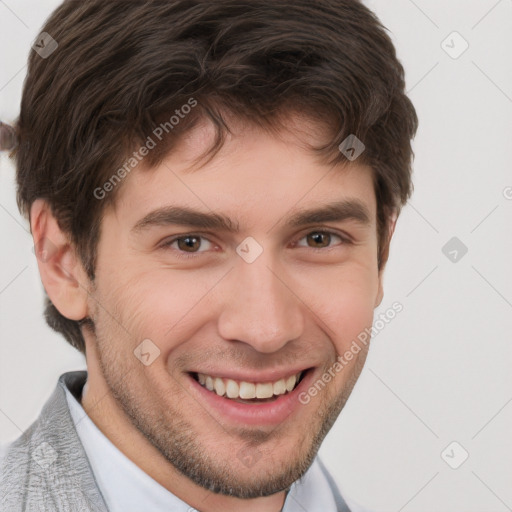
(260, 307)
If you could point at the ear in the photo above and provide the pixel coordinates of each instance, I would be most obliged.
(384, 254)
(62, 272)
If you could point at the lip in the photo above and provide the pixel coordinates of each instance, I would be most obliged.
(266, 413)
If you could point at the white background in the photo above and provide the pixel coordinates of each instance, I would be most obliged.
(441, 371)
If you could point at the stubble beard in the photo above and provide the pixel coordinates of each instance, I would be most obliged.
(178, 441)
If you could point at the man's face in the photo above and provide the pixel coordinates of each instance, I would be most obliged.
(289, 299)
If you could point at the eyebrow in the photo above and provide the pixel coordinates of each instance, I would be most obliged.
(352, 209)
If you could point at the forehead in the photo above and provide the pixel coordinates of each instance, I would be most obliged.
(254, 171)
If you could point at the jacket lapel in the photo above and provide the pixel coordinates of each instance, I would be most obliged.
(46, 469)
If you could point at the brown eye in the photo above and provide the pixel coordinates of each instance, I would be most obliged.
(188, 246)
(189, 243)
(319, 240)
(322, 240)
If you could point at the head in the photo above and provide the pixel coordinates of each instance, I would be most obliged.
(180, 165)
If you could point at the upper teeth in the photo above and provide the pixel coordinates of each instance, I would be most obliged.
(248, 390)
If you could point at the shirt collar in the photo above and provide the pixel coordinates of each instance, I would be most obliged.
(125, 487)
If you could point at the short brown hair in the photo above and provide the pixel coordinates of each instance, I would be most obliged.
(121, 67)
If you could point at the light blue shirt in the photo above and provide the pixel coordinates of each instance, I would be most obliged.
(126, 488)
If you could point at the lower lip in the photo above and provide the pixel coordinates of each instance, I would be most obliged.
(265, 413)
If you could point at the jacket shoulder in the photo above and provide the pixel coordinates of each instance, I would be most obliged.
(46, 468)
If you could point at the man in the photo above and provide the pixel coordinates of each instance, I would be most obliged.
(212, 188)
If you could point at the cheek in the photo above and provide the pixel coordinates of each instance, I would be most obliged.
(344, 302)
(158, 304)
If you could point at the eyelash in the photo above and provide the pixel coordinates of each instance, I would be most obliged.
(345, 240)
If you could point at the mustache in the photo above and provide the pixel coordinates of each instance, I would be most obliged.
(246, 357)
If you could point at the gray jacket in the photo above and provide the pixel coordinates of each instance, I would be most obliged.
(46, 469)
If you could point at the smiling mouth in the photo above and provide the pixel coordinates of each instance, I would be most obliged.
(249, 392)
